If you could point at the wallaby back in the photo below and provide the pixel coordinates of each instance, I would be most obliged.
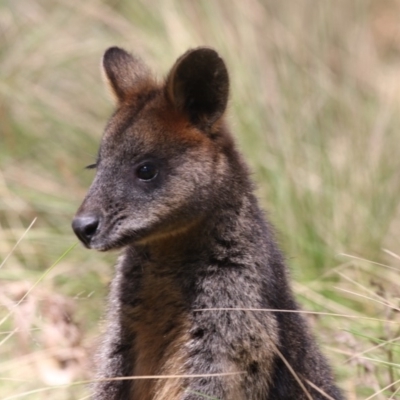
(199, 261)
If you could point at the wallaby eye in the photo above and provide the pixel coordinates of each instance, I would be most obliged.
(147, 172)
(91, 166)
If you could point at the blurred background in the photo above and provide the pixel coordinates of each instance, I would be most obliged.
(315, 100)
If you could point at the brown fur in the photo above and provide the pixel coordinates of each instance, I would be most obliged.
(174, 193)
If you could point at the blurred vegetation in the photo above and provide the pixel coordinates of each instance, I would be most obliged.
(315, 108)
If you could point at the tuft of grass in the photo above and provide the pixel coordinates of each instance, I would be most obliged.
(314, 106)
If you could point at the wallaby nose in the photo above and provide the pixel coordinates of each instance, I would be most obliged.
(85, 227)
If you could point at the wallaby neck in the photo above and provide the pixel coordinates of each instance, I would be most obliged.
(229, 236)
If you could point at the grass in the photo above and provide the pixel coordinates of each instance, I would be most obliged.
(314, 106)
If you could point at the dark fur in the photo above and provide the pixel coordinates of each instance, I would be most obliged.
(194, 238)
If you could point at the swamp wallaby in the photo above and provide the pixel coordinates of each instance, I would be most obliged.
(198, 256)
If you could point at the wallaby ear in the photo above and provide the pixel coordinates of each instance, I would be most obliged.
(124, 73)
(198, 85)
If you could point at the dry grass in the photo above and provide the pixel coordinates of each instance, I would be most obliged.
(315, 107)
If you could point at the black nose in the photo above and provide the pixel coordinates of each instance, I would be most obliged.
(85, 227)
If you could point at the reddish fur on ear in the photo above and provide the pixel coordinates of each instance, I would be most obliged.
(125, 74)
(198, 85)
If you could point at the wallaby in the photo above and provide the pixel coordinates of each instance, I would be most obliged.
(200, 268)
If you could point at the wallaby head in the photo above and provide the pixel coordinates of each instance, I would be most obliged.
(163, 162)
